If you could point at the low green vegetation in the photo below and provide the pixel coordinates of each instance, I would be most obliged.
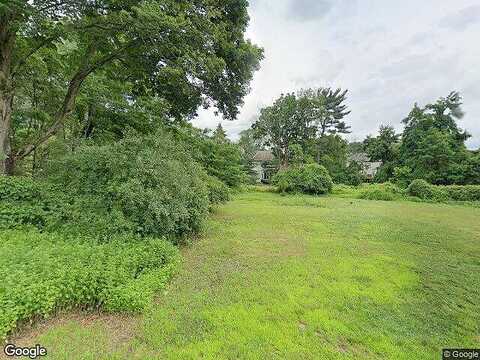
(304, 277)
(42, 273)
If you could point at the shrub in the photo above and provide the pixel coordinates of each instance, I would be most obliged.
(346, 191)
(308, 179)
(44, 272)
(19, 189)
(145, 185)
(402, 176)
(24, 201)
(219, 157)
(426, 191)
(463, 192)
(218, 192)
(384, 192)
(421, 189)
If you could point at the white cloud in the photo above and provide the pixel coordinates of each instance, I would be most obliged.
(388, 56)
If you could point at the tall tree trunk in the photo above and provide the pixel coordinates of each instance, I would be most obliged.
(7, 39)
(6, 157)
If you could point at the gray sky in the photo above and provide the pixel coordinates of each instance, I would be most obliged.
(389, 54)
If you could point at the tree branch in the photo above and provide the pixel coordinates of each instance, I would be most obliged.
(23, 61)
(69, 101)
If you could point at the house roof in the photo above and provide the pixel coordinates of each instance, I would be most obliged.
(264, 155)
(359, 157)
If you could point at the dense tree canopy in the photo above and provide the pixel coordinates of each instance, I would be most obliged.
(284, 124)
(433, 146)
(303, 118)
(383, 148)
(185, 53)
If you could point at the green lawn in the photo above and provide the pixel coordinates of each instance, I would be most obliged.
(304, 278)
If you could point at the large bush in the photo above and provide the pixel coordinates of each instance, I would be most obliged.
(218, 156)
(218, 192)
(308, 179)
(145, 185)
(44, 272)
(421, 189)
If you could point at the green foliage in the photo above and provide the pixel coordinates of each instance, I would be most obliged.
(42, 273)
(308, 179)
(280, 125)
(463, 192)
(19, 189)
(433, 145)
(402, 176)
(332, 154)
(299, 118)
(425, 191)
(383, 147)
(471, 168)
(145, 185)
(24, 201)
(220, 157)
(327, 109)
(249, 147)
(218, 192)
(224, 161)
(151, 52)
(385, 192)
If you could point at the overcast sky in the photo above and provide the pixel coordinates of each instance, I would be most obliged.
(388, 54)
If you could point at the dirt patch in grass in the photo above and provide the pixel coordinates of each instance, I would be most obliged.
(121, 329)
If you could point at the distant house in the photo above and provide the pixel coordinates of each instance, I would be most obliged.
(369, 168)
(263, 165)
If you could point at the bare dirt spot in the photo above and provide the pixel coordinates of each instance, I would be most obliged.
(121, 328)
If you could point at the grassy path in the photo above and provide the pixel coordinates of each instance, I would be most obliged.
(304, 278)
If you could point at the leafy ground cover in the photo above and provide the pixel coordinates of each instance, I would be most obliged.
(301, 277)
(42, 273)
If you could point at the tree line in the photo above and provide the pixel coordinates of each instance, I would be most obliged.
(306, 127)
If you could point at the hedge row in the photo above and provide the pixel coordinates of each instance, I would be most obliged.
(423, 190)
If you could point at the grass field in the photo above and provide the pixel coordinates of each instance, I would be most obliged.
(299, 277)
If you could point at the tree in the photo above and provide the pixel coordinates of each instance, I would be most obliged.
(221, 159)
(282, 124)
(334, 157)
(383, 148)
(190, 53)
(249, 146)
(302, 119)
(471, 168)
(433, 146)
(219, 134)
(327, 109)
